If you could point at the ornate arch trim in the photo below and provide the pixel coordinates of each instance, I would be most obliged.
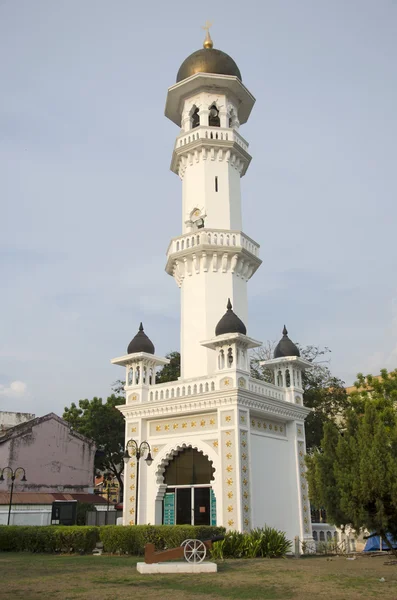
(173, 450)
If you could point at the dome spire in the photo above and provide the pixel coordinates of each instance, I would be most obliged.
(140, 343)
(285, 347)
(208, 43)
(230, 322)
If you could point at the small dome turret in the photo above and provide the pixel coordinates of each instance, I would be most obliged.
(285, 347)
(208, 60)
(140, 343)
(230, 322)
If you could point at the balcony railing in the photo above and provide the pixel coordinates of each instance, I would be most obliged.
(211, 133)
(213, 237)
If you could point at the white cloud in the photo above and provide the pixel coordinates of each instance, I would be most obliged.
(16, 389)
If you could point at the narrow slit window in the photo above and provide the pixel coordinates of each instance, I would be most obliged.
(216, 183)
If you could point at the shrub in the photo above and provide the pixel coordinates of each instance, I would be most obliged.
(52, 538)
(266, 542)
(126, 540)
(132, 540)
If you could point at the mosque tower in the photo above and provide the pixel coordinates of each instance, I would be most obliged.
(212, 260)
(222, 447)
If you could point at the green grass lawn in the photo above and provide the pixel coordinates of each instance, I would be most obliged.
(32, 576)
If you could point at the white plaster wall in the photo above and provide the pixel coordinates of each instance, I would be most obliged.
(222, 207)
(203, 303)
(275, 496)
(29, 516)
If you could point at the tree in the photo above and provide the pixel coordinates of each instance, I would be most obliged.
(324, 393)
(103, 423)
(354, 476)
(172, 371)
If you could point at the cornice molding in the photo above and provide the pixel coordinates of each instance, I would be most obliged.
(211, 257)
(211, 402)
(203, 149)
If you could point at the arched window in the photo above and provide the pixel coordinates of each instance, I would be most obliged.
(232, 119)
(189, 467)
(213, 117)
(230, 357)
(221, 359)
(195, 118)
(287, 378)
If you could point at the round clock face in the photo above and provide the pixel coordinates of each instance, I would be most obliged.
(196, 213)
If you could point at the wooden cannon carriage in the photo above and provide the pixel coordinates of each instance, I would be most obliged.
(193, 550)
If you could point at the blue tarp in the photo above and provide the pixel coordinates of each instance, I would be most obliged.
(373, 543)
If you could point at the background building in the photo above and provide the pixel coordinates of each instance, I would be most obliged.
(59, 465)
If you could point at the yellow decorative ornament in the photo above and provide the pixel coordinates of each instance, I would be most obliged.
(208, 43)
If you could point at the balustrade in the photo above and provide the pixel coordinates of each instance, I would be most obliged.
(213, 237)
(211, 133)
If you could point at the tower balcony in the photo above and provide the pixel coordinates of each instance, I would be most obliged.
(210, 143)
(219, 134)
(212, 249)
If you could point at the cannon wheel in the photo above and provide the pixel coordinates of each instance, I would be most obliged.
(194, 551)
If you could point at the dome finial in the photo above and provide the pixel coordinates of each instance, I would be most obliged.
(229, 304)
(208, 43)
(285, 332)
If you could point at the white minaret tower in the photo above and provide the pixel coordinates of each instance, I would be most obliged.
(225, 448)
(213, 259)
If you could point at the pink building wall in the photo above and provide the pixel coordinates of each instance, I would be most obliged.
(54, 457)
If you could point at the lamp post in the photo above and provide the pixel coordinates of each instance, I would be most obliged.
(13, 476)
(139, 451)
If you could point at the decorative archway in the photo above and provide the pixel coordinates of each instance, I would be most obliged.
(186, 497)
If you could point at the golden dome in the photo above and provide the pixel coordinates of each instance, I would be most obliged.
(208, 60)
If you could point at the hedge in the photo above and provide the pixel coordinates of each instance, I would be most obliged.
(52, 538)
(132, 540)
(115, 538)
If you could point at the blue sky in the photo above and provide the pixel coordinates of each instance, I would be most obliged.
(88, 203)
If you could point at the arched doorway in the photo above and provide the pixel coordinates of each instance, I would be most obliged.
(189, 498)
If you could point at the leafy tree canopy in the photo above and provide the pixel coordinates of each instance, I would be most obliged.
(103, 423)
(354, 476)
(172, 371)
(323, 392)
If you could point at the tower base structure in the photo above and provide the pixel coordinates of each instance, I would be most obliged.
(253, 440)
